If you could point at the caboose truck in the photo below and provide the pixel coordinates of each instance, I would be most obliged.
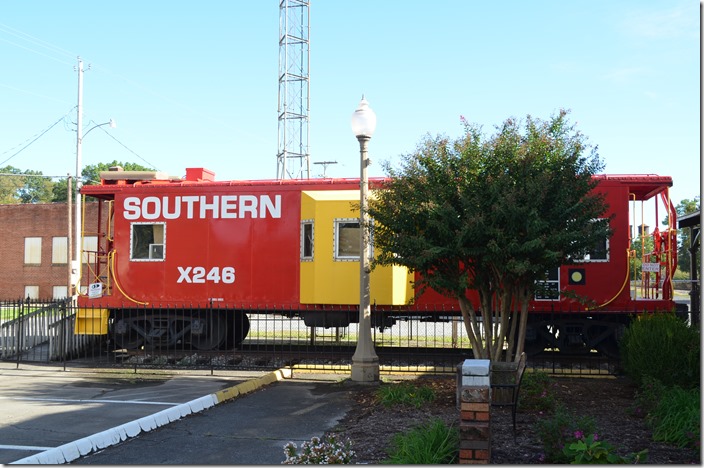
(185, 260)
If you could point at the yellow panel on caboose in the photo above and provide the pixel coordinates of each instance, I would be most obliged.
(329, 271)
(91, 322)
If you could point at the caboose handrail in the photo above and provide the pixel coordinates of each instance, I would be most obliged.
(113, 272)
(625, 281)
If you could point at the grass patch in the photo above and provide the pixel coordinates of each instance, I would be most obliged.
(430, 444)
(672, 412)
(405, 394)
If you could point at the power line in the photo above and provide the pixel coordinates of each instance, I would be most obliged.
(34, 40)
(125, 146)
(46, 176)
(35, 139)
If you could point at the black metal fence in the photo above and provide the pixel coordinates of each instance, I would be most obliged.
(50, 332)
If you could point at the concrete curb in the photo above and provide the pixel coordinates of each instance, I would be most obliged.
(71, 451)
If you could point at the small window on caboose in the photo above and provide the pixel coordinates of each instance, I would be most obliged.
(549, 288)
(599, 252)
(147, 242)
(307, 245)
(347, 240)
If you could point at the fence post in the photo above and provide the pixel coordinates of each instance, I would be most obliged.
(475, 407)
(63, 328)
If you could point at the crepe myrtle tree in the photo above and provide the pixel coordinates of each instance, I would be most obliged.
(491, 214)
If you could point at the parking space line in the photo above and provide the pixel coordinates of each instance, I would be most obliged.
(68, 400)
(23, 447)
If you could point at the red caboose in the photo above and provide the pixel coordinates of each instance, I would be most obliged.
(184, 261)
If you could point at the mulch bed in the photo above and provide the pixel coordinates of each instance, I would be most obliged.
(370, 426)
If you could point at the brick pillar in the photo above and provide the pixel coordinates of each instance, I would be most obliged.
(475, 405)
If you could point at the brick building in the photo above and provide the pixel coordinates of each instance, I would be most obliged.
(34, 250)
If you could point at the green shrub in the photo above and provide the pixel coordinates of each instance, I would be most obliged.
(681, 276)
(589, 450)
(535, 392)
(560, 430)
(647, 397)
(567, 438)
(662, 346)
(405, 394)
(429, 444)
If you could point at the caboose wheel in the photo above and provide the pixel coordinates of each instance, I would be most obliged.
(126, 335)
(535, 346)
(237, 329)
(208, 331)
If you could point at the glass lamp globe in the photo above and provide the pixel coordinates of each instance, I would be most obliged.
(363, 120)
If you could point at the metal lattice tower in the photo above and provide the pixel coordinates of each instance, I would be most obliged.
(293, 158)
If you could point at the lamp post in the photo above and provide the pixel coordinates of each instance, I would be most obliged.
(77, 263)
(365, 363)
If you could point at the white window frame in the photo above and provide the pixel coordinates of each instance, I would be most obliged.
(32, 251)
(60, 292)
(149, 248)
(336, 244)
(89, 249)
(304, 224)
(31, 291)
(59, 250)
(587, 258)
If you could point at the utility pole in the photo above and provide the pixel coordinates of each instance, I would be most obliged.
(76, 264)
(69, 246)
(325, 166)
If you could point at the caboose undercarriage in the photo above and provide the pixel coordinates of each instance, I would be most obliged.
(199, 329)
(575, 334)
(218, 329)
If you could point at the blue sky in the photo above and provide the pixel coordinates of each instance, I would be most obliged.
(194, 84)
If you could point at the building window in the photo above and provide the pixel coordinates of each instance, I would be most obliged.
(90, 249)
(60, 292)
(32, 250)
(147, 242)
(347, 240)
(307, 244)
(31, 292)
(549, 288)
(59, 250)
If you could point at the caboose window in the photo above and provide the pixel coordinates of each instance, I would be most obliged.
(549, 288)
(347, 240)
(307, 240)
(599, 252)
(147, 241)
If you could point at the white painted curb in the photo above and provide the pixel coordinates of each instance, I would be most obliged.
(71, 451)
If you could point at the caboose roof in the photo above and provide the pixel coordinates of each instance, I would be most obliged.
(642, 186)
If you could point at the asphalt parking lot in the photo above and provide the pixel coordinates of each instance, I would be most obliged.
(77, 410)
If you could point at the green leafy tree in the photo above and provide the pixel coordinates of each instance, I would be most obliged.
(17, 186)
(91, 176)
(686, 207)
(491, 214)
(640, 245)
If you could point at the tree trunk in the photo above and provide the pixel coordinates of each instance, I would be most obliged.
(469, 318)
